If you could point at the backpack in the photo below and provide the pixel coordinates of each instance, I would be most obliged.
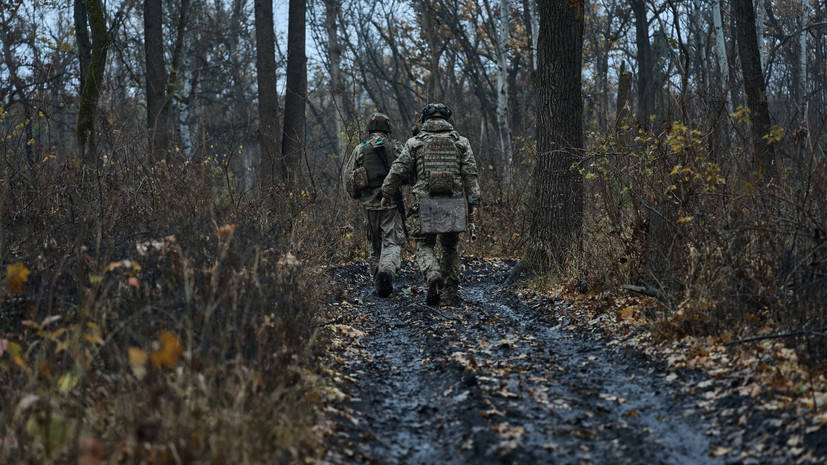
(440, 163)
(375, 166)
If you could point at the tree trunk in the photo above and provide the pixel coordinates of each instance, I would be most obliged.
(624, 87)
(267, 98)
(435, 48)
(558, 213)
(294, 101)
(802, 47)
(83, 41)
(172, 81)
(337, 87)
(501, 47)
(157, 112)
(645, 80)
(92, 81)
(760, 20)
(764, 154)
(720, 47)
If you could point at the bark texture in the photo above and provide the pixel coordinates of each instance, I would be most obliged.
(92, 81)
(764, 154)
(645, 80)
(558, 215)
(267, 99)
(294, 101)
(157, 112)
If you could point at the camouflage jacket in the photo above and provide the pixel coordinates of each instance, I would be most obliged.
(369, 198)
(409, 161)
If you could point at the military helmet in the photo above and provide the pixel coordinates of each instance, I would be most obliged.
(379, 122)
(433, 108)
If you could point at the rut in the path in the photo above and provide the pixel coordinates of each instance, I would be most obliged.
(492, 380)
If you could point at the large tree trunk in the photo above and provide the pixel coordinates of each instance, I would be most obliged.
(92, 81)
(157, 112)
(267, 98)
(294, 102)
(645, 80)
(558, 213)
(764, 154)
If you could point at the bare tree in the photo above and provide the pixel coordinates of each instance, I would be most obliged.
(764, 153)
(267, 98)
(292, 142)
(92, 79)
(645, 87)
(337, 86)
(157, 110)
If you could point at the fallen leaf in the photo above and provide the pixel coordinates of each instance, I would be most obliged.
(632, 413)
(719, 451)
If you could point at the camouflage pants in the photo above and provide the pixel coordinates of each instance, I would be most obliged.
(448, 266)
(385, 240)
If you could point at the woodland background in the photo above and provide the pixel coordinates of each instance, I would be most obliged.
(171, 190)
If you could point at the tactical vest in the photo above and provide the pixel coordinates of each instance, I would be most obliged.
(373, 162)
(440, 163)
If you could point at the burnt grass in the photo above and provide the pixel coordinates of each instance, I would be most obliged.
(497, 379)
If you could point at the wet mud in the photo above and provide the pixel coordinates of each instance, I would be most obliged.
(494, 379)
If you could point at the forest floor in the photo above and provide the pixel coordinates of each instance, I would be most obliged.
(509, 376)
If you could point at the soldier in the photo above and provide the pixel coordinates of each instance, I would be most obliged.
(446, 178)
(385, 228)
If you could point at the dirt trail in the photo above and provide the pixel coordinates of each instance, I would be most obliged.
(496, 380)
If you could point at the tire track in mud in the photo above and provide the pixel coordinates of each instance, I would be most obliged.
(494, 379)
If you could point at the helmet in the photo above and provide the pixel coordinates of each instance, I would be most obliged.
(379, 122)
(431, 109)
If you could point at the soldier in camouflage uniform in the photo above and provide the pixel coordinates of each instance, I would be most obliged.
(366, 169)
(436, 150)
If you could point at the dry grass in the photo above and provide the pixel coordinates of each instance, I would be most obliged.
(156, 315)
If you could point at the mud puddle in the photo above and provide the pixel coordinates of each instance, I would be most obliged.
(494, 379)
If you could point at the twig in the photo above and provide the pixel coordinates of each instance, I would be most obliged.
(778, 336)
(650, 291)
(331, 322)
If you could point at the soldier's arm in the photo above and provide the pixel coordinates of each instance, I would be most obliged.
(350, 167)
(398, 173)
(469, 172)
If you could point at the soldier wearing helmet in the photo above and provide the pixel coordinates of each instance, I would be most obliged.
(445, 190)
(365, 171)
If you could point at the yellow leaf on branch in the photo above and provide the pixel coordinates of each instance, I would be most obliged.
(16, 275)
(170, 352)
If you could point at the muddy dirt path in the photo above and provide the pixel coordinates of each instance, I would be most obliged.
(498, 380)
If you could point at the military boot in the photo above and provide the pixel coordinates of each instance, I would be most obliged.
(451, 295)
(383, 283)
(434, 288)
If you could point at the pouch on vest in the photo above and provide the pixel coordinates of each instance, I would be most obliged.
(440, 164)
(438, 216)
(360, 180)
(440, 183)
